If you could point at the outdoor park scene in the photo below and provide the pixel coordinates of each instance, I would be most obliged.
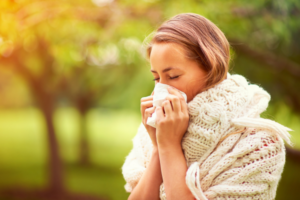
(72, 74)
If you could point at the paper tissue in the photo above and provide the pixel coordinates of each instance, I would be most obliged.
(160, 94)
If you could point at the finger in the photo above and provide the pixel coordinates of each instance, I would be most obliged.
(179, 95)
(146, 98)
(175, 92)
(175, 102)
(145, 105)
(168, 108)
(184, 107)
(159, 113)
(149, 111)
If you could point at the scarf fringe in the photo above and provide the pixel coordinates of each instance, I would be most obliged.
(280, 130)
(193, 181)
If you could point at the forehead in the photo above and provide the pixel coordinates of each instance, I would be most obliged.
(167, 55)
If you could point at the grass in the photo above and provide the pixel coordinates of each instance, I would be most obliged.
(23, 150)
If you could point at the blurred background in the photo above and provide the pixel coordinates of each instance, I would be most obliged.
(72, 73)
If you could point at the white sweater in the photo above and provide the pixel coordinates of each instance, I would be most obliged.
(231, 152)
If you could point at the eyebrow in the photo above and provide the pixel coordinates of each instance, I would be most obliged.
(165, 70)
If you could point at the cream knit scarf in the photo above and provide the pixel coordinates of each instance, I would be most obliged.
(231, 152)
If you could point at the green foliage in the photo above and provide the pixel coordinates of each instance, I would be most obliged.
(105, 41)
(81, 47)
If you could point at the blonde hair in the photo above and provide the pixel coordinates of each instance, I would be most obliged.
(202, 40)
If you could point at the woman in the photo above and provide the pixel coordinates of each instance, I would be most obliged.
(215, 146)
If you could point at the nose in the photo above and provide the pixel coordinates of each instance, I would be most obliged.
(163, 81)
(167, 83)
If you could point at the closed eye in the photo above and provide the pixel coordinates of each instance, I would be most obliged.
(174, 77)
(156, 79)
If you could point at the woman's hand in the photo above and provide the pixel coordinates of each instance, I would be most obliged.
(171, 124)
(172, 120)
(147, 110)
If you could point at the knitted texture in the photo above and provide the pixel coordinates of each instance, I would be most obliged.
(231, 152)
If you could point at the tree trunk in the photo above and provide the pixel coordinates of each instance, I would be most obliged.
(55, 168)
(82, 104)
(293, 153)
(83, 139)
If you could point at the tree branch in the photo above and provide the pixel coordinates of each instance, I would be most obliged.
(14, 61)
(278, 63)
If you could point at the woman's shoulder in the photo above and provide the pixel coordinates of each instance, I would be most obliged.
(261, 141)
(264, 128)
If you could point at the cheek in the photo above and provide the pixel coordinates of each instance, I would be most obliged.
(189, 87)
(186, 89)
(191, 90)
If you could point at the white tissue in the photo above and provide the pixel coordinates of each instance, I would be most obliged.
(160, 94)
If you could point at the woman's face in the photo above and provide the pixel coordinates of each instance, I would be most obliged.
(170, 66)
